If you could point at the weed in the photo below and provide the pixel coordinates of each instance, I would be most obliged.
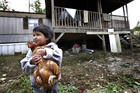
(113, 88)
(109, 88)
(130, 82)
(66, 88)
(21, 85)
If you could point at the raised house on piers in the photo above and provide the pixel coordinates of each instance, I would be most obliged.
(85, 20)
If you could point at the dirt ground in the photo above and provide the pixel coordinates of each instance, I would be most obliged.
(100, 68)
(82, 70)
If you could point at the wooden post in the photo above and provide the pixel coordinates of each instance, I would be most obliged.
(100, 12)
(54, 37)
(103, 42)
(52, 12)
(111, 21)
(124, 15)
(52, 16)
(101, 26)
(127, 16)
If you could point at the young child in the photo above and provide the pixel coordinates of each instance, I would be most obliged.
(42, 35)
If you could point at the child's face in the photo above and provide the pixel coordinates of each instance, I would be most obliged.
(39, 38)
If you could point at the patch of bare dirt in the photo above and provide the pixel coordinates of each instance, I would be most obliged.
(100, 69)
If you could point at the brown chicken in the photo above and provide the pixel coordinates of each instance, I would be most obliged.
(46, 72)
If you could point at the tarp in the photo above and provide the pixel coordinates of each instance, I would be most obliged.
(72, 12)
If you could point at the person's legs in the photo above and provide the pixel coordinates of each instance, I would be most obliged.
(54, 89)
(37, 90)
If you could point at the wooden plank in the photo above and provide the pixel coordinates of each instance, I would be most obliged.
(59, 37)
(21, 14)
(69, 30)
(117, 32)
(100, 37)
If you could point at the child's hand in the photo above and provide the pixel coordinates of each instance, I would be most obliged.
(35, 59)
(41, 52)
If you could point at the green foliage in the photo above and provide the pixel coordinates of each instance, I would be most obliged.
(4, 5)
(136, 31)
(130, 82)
(66, 88)
(109, 88)
(36, 6)
(113, 88)
(21, 85)
(137, 28)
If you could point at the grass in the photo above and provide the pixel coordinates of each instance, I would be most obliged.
(22, 85)
(10, 65)
(124, 82)
(66, 88)
(130, 82)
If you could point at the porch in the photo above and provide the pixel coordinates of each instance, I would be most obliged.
(82, 21)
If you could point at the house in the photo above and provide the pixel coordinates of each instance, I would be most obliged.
(16, 30)
(85, 20)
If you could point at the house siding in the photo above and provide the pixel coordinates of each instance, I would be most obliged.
(12, 30)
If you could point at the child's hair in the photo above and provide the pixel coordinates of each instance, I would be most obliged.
(46, 30)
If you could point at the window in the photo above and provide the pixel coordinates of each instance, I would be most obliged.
(32, 23)
(25, 23)
(40, 21)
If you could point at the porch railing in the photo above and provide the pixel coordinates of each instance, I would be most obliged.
(120, 22)
(88, 20)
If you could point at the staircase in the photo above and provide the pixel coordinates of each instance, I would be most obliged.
(135, 41)
(126, 41)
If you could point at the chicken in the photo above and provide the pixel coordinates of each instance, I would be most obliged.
(46, 72)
